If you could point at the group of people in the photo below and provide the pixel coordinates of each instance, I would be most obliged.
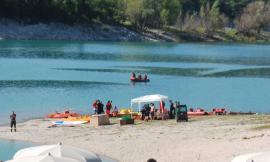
(133, 77)
(148, 112)
(98, 107)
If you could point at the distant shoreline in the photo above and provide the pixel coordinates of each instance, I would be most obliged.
(14, 30)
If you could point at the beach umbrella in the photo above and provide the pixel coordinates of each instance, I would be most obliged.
(59, 151)
(44, 158)
(253, 157)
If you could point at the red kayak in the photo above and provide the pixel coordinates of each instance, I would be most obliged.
(197, 112)
(219, 111)
(64, 114)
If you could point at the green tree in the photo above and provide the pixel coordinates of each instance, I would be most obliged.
(170, 11)
(217, 19)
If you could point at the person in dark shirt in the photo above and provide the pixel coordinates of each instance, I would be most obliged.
(147, 112)
(100, 108)
(172, 110)
(143, 112)
(13, 121)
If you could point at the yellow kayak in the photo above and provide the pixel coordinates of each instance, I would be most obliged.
(79, 118)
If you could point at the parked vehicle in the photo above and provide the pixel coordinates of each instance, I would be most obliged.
(181, 113)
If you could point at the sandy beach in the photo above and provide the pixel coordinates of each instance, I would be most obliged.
(204, 139)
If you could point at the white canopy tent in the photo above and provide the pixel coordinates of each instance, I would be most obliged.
(147, 99)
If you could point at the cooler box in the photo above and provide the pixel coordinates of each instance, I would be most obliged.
(97, 120)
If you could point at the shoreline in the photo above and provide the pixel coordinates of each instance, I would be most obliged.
(56, 31)
(228, 136)
(14, 30)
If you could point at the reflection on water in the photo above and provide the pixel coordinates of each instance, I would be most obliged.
(38, 77)
(147, 52)
(143, 69)
(52, 83)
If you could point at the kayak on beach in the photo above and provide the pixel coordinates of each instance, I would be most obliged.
(79, 118)
(197, 112)
(64, 114)
(68, 123)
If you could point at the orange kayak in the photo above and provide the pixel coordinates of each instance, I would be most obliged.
(64, 114)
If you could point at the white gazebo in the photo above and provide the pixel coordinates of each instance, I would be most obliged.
(148, 98)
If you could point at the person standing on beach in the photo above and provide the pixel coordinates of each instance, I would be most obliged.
(13, 121)
(108, 108)
(152, 111)
(95, 106)
(172, 109)
(161, 109)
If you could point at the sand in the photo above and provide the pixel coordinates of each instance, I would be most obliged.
(203, 139)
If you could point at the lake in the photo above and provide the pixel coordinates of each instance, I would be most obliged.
(40, 77)
(8, 148)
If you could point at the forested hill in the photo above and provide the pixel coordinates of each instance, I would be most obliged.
(245, 17)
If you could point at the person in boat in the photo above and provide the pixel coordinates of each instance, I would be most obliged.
(139, 77)
(152, 111)
(133, 76)
(145, 77)
(172, 109)
(108, 107)
(13, 121)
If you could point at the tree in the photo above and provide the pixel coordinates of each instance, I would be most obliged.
(254, 17)
(217, 20)
(170, 11)
(205, 17)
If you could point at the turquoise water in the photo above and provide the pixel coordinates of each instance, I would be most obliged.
(39, 77)
(9, 148)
